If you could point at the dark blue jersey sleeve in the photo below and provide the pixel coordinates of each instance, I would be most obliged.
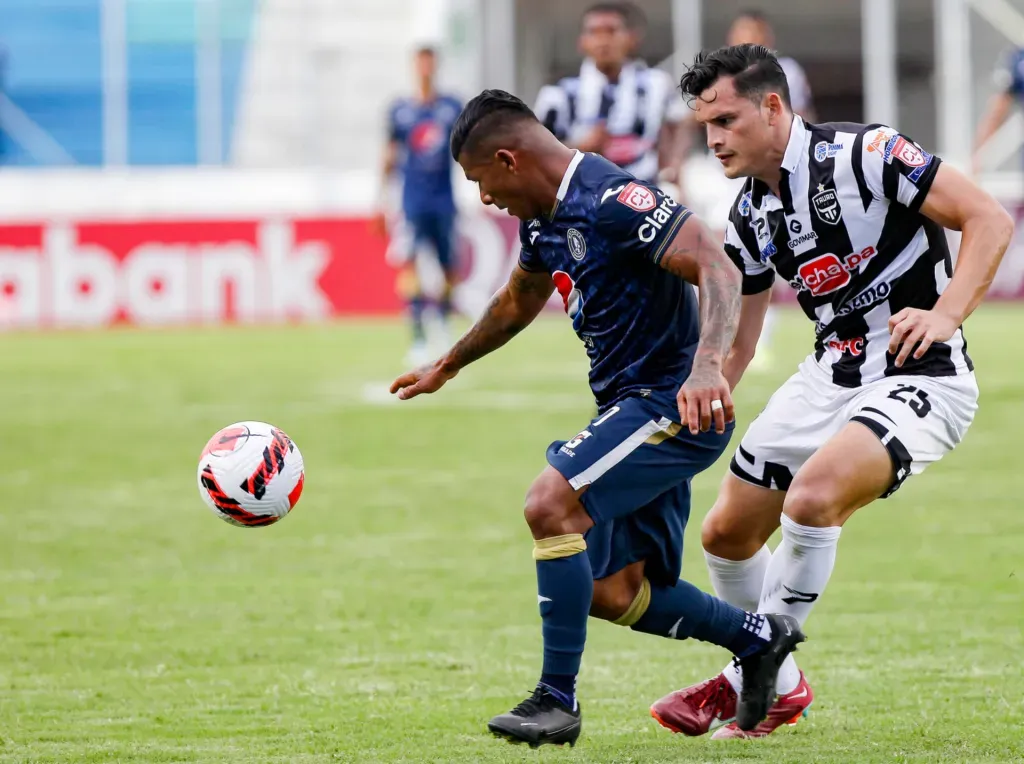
(1009, 75)
(529, 255)
(638, 218)
(395, 131)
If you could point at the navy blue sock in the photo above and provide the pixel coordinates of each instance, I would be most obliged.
(683, 611)
(444, 305)
(565, 587)
(561, 686)
(417, 305)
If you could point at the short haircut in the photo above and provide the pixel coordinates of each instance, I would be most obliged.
(631, 16)
(489, 112)
(755, 70)
(426, 50)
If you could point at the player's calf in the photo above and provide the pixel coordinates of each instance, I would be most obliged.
(614, 595)
(565, 586)
(681, 611)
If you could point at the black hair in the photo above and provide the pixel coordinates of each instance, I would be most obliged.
(755, 70)
(493, 110)
(631, 16)
(426, 50)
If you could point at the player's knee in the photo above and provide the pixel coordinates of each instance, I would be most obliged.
(610, 602)
(552, 508)
(723, 537)
(810, 503)
(616, 595)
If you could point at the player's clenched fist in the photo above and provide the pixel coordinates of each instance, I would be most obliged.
(705, 397)
(426, 379)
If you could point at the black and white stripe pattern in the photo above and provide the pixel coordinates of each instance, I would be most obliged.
(845, 231)
(633, 110)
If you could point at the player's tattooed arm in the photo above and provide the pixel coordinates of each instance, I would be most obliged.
(695, 255)
(510, 311)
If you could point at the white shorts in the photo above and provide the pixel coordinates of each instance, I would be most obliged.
(918, 419)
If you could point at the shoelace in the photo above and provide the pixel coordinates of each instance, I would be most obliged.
(531, 705)
(719, 691)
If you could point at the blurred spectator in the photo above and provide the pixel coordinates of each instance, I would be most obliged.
(617, 106)
(752, 27)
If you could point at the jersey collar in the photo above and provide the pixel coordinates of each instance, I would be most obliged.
(795, 147)
(563, 187)
(795, 151)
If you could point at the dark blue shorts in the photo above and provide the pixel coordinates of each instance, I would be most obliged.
(637, 466)
(437, 230)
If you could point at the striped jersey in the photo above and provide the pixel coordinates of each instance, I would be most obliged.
(633, 110)
(847, 233)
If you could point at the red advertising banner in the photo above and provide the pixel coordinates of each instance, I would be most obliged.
(94, 274)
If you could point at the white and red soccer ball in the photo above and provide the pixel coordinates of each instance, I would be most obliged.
(251, 474)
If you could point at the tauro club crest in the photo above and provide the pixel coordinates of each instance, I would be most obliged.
(826, 205)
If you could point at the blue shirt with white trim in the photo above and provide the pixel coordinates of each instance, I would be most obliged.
(602, 246)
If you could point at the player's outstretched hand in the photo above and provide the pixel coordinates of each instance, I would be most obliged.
(705, 396)
(426, 379)
(912, 326)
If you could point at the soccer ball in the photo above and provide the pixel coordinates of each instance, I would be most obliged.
(250, 474)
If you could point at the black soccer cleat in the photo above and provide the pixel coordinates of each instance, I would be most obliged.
(540, 719)
(761, 669)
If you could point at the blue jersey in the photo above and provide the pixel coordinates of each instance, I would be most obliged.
(602, 246)
(1010, 76)
(424, 131)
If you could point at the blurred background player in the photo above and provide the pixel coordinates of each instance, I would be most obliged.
(753, 27)
(1009, 79)
(419, 128)
(617, 106)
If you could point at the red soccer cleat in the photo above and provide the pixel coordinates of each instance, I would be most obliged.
(697, 709)
(787, 709)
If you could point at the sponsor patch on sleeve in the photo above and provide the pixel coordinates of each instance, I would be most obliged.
(638, 198)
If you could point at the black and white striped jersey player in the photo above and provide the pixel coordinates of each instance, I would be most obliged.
(852, 216)
(847, 233)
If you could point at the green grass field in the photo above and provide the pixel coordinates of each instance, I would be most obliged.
(395, 611)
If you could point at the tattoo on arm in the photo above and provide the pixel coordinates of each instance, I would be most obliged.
(510, 311)
(696, 257)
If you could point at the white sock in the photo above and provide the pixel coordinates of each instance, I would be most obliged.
(767, 328)
(796, 577)
(739, 582)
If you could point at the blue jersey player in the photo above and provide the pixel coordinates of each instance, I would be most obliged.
(1009, 81)
(608, 513)
(419, 129)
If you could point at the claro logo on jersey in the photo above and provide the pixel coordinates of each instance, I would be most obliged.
(827, 273)
(654, 222)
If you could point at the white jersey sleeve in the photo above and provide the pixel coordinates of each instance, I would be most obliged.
(895, 168)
